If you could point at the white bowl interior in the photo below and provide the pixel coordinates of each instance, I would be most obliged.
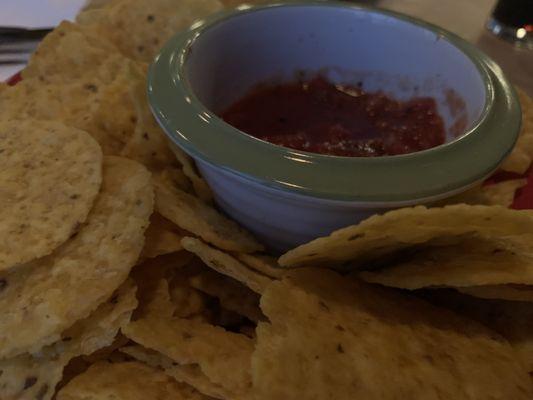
(349, 45)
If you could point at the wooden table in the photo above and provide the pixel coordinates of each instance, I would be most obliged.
(467, 19)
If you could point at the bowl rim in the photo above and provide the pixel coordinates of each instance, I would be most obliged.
(426, 175)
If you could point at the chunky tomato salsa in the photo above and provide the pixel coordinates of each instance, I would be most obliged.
(342, 120)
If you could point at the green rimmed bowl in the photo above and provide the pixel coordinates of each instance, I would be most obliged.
(287, 197)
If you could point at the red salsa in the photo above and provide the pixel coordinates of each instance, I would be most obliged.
(320, 117)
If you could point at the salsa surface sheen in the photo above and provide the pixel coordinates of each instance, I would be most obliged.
(320, 117)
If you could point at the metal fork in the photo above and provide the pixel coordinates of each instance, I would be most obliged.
(17, 44)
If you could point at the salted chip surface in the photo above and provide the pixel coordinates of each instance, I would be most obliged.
(503, 193)
(149, 274)
(160, 303)
(176, 177)
(266, 265)
(148, 144)
(30, 99)
(162, 237)
(46, 296)
(511, 319)
(201, 188)
(50, 175)
(226, 264)
(27, 377)
(472, 262)
(520, 158)
(330, 337)
(126, 381)
(188, 373)
(33, 99)
(117, 111)
(197, 217)
(104, 109)
(70, 52)
(143, 28)
(382, 235)
(108, 353)
(186, 300)
(224, 357)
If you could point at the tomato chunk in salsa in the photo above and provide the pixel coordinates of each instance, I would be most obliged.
(341, 120)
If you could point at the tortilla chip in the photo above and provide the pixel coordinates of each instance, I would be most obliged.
(334, 338)
(511, 319)
(226, 264)
(232, 295)
(201, 188)
(193, 215)
(32, 99)
(162, 237)
(161, 303)
(69, 53)
(109, 353)
(50, 175)
(263, 264)
(384, 235)
(224, 357)
(187, 301)
(473, 262)
(509, 292)
(164, 289)
(503, 193)
(126, 381)
(172, 298)
(173, 176)
(521, 156)
(148, 144)
(80, 364)
(105, 110)
(27, 377)
(46, 296)
(190, 373)
(116, 112)
(149, 274)
(139, 29)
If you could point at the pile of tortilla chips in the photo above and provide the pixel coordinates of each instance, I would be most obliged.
(119, 279)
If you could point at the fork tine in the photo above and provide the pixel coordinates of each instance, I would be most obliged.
(15, 53)
(16, 50)
(14, 56)
(22, 34)
(13, 61)
(17, 44)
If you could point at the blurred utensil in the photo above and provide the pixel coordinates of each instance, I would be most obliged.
(17, 44)
(22, 34)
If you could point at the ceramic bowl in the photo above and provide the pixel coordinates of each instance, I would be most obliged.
(287, 197)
